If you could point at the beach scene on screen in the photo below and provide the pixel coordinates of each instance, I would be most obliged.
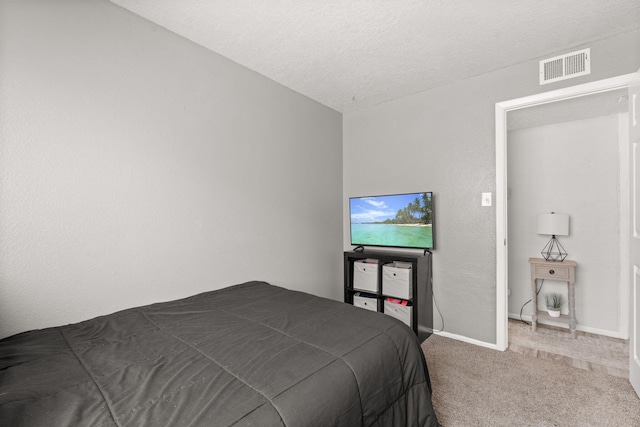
(401, 220)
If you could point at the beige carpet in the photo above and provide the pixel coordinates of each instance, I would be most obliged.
(477, 386)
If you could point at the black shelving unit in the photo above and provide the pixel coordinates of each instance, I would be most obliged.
(422, 292)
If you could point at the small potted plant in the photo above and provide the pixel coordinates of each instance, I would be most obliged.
(554, 301)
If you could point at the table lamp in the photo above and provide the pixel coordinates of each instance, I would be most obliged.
(555, 225)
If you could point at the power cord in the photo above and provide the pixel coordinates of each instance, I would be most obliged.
(439, 312)
(523, 305)
(433, 294)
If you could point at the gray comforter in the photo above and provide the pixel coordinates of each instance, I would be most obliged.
(251, 354)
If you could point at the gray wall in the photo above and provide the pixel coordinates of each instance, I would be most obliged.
(136, 166)
(571, 168)
(443, 140)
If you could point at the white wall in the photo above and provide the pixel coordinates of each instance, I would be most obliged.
(443, 140)
(136, 166)
(570, 168)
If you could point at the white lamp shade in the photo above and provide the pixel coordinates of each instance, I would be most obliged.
(553, 224)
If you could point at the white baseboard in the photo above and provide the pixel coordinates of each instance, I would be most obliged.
(493, 346)
(588, 329)
(467, 340)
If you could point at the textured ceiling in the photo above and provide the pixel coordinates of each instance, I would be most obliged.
(349, 54)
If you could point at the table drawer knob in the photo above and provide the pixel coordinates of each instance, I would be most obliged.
(551, 272)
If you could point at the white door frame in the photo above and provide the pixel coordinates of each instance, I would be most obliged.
(502, 108)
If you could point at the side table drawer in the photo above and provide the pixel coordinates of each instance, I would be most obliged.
(552, 272)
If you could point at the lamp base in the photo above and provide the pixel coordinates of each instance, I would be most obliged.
(553, 250)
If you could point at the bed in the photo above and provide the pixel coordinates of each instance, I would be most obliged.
(252, 354)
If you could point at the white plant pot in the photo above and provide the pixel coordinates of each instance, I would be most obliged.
(553, 312)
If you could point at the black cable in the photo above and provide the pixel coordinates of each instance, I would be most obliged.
(523, 305)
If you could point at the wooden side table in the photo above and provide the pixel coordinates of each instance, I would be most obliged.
(564, 271)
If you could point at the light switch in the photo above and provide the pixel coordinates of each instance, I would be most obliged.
(486, 199)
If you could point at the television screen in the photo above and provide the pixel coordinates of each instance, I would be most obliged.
(398, 220)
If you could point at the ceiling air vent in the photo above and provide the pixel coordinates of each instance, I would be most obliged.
(565, 66)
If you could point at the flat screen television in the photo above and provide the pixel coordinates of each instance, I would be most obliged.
(396, 220)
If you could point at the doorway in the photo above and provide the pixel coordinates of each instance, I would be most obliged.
(568, 157)
(502, 252)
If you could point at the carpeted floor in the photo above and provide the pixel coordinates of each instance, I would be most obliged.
(477, 386)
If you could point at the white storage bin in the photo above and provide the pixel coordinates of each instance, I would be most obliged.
(397, 281)
(399, 311)
(365, 276)
(366, 302)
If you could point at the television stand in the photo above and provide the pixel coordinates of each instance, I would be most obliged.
(421, 291)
